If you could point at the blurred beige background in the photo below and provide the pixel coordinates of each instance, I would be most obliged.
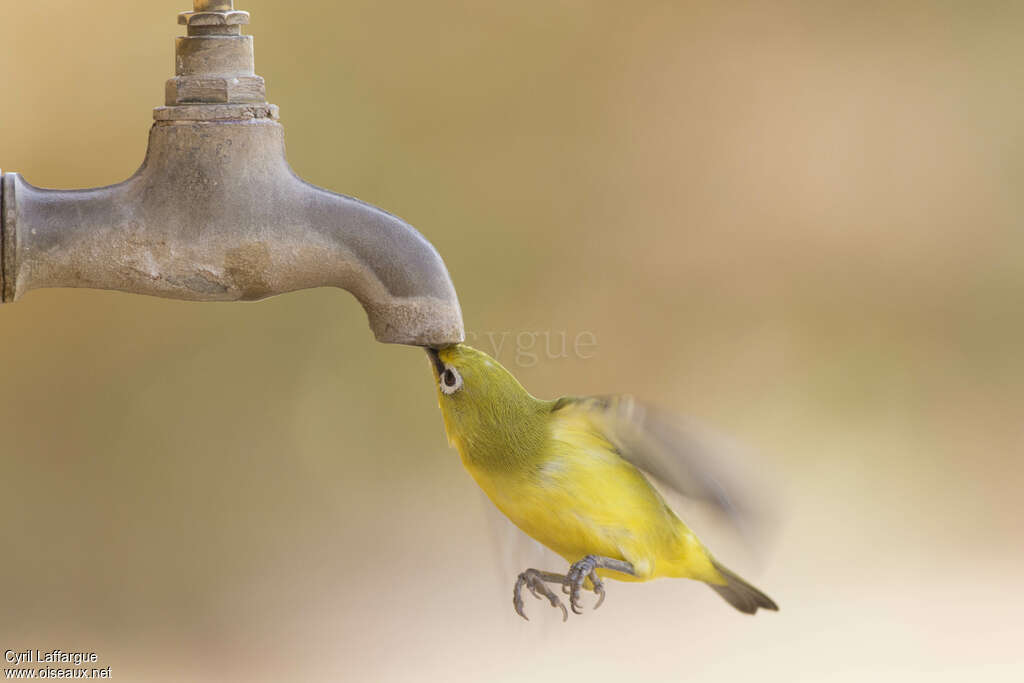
(798, 222)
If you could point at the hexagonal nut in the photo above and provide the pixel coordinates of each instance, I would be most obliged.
(217, 112)
(232, 18)
(215, 90)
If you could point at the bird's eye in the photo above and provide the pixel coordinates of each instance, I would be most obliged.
(451, 381)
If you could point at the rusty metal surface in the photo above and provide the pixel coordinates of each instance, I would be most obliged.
(215, 213)
(3, 221)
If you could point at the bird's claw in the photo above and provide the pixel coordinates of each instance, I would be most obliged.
(598, 588)
(534, 582)
(578, 574)
(572, 585)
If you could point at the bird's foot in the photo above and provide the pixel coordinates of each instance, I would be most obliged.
(537, 583)
(579, 572)
(572, 583)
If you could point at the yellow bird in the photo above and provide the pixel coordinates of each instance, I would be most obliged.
(568, 473)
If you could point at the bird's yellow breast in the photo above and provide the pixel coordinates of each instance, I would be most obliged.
(579, 497)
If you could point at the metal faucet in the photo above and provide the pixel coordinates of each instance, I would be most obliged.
(215, 213)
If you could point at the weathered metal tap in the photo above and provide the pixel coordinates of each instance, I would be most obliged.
(215, 213)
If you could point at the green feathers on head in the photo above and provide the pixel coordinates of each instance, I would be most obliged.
(488, 415)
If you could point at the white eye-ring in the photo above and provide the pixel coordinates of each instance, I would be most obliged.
(451, 380)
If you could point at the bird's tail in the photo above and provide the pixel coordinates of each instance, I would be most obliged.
(741, 594)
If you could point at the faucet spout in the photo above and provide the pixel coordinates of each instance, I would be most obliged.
(216, 213)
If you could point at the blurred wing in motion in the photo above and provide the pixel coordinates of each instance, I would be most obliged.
(672, 452)
(513, 549)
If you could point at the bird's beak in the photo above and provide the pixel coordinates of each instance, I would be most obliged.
(435, 358)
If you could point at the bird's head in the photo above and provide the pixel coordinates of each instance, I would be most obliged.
(480, 400)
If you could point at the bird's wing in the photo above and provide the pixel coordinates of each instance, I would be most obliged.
(677, 455)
